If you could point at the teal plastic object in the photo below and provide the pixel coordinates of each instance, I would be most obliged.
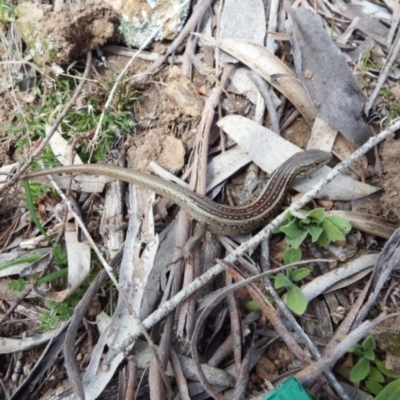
(289, 390)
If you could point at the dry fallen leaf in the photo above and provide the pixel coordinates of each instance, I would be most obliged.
(332, 85)
(273, 70)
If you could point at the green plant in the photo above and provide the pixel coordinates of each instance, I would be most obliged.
(32, 212)
(6, 12)
(51, 94)
(322, 229)
(391, 103)
(60, 257)
(295, 298)
(62, 311)
(18, 285)
(390, 392)
(369, 369)
(367, 62)
(59, 311)
(21, 260)
(49, 320)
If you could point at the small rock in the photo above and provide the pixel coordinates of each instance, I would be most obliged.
(183, 94)
(140, 18)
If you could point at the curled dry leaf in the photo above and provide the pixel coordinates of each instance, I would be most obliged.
(17, 345)
(273, 70)
(328, 79)
(325, 282)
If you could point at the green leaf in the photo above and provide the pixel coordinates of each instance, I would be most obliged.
(356, 349)
(289, 216)
(341, 223)
(298, 215)
(48, 321)
(299, 274)
(291, 255)
(315, 232)
(282, 281)
(296, 300)
(385, 371)
(304, 222)
(17, 286)
(317, 214)
(292, 229)
(297, 241)
(323, 239)
(61, 273)
(376, 375)
(360, 370)
(60, 257)
(252, 306)
(390, 392)
(332, 231)
(374, 387)
(21, 260)
(32, 211)
(369, 354)
(369, 343)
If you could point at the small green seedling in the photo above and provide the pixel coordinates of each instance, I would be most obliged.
(322, 229)
(295, 298)
(371, 370)
(60, 311)
(18, 285)
(6, 12)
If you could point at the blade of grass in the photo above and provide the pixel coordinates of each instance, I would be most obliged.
(32, 211)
